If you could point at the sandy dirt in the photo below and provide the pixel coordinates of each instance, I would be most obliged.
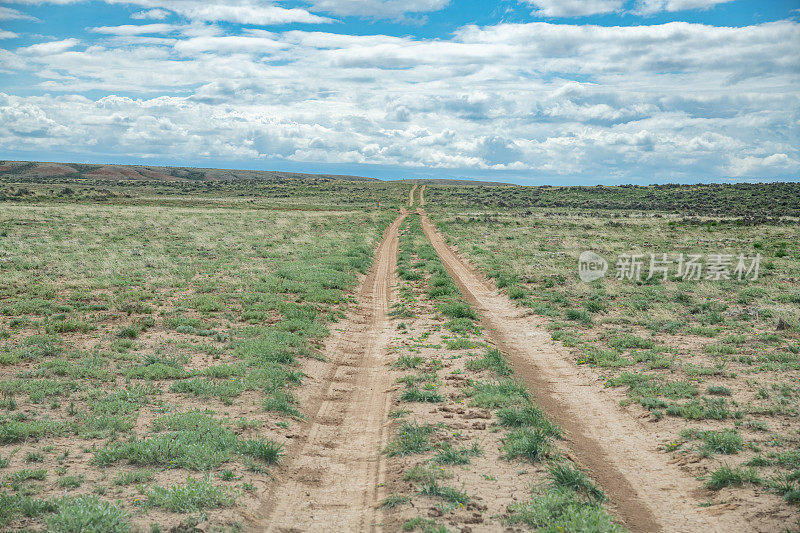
(647, 492)
(411, 195)
(334, 472)
(421, 196)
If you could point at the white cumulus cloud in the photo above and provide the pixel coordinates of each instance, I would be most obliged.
(135, 29)
(650, 7)
(7, 13)
(380, 9)
(574, 8)
(538, 99)
(50, 47)
(151, 14)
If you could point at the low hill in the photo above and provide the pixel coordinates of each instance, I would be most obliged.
(35, 169)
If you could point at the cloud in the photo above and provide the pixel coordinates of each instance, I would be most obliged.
(228, 44)
(379, 9)
(539, 99)
(650, 7)
(7, 34)
(134, 29)
(574, 8)
(258, 12)
(152, 14)
(754, 166)
(6, 13)
(50, 47)
(245, 13)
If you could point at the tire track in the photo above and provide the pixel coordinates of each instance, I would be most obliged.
(333, 475)
(411, 196)
(646, 492)
(421, 197)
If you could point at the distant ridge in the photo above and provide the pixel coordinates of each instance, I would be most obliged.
(36, 169)
(46, 169)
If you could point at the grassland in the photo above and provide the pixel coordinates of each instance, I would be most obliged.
(155, 337)
(712, 364)
(150, 347)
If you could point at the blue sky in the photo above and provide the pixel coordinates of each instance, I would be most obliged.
(524, 91)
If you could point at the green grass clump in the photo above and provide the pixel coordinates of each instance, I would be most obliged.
(460, 343)
(492, 360)
(504, 393)
(414, 394)
(604, 358)
(457, 310)
(13, 506)
(134, 477)
(462, 326)
(411, 438)
(408, 361)
(448, 455)
(128, 332)
(431, 487)
(427, 525)
(71, 482)
(726, 441)
(195, 496)
(579, 315)
(88, 514)
(267, 451)
(627, 342)
(709, 408)
(225, 390)
(189, 440)
(394, 500)
(726, 476)
(556, 511)
(565, 476)
(530, 444)
(528, 416)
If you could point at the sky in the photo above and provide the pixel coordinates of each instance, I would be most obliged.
(558, 92)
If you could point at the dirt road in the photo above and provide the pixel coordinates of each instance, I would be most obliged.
(411, 196)
(332, 477)
(646, 492)
(421, 196)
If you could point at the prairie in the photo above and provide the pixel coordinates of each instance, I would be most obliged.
(711, 366)
(258, 354)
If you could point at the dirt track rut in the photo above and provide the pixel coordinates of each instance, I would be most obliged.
(411, 195)
(647, 493)
(332, 476)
